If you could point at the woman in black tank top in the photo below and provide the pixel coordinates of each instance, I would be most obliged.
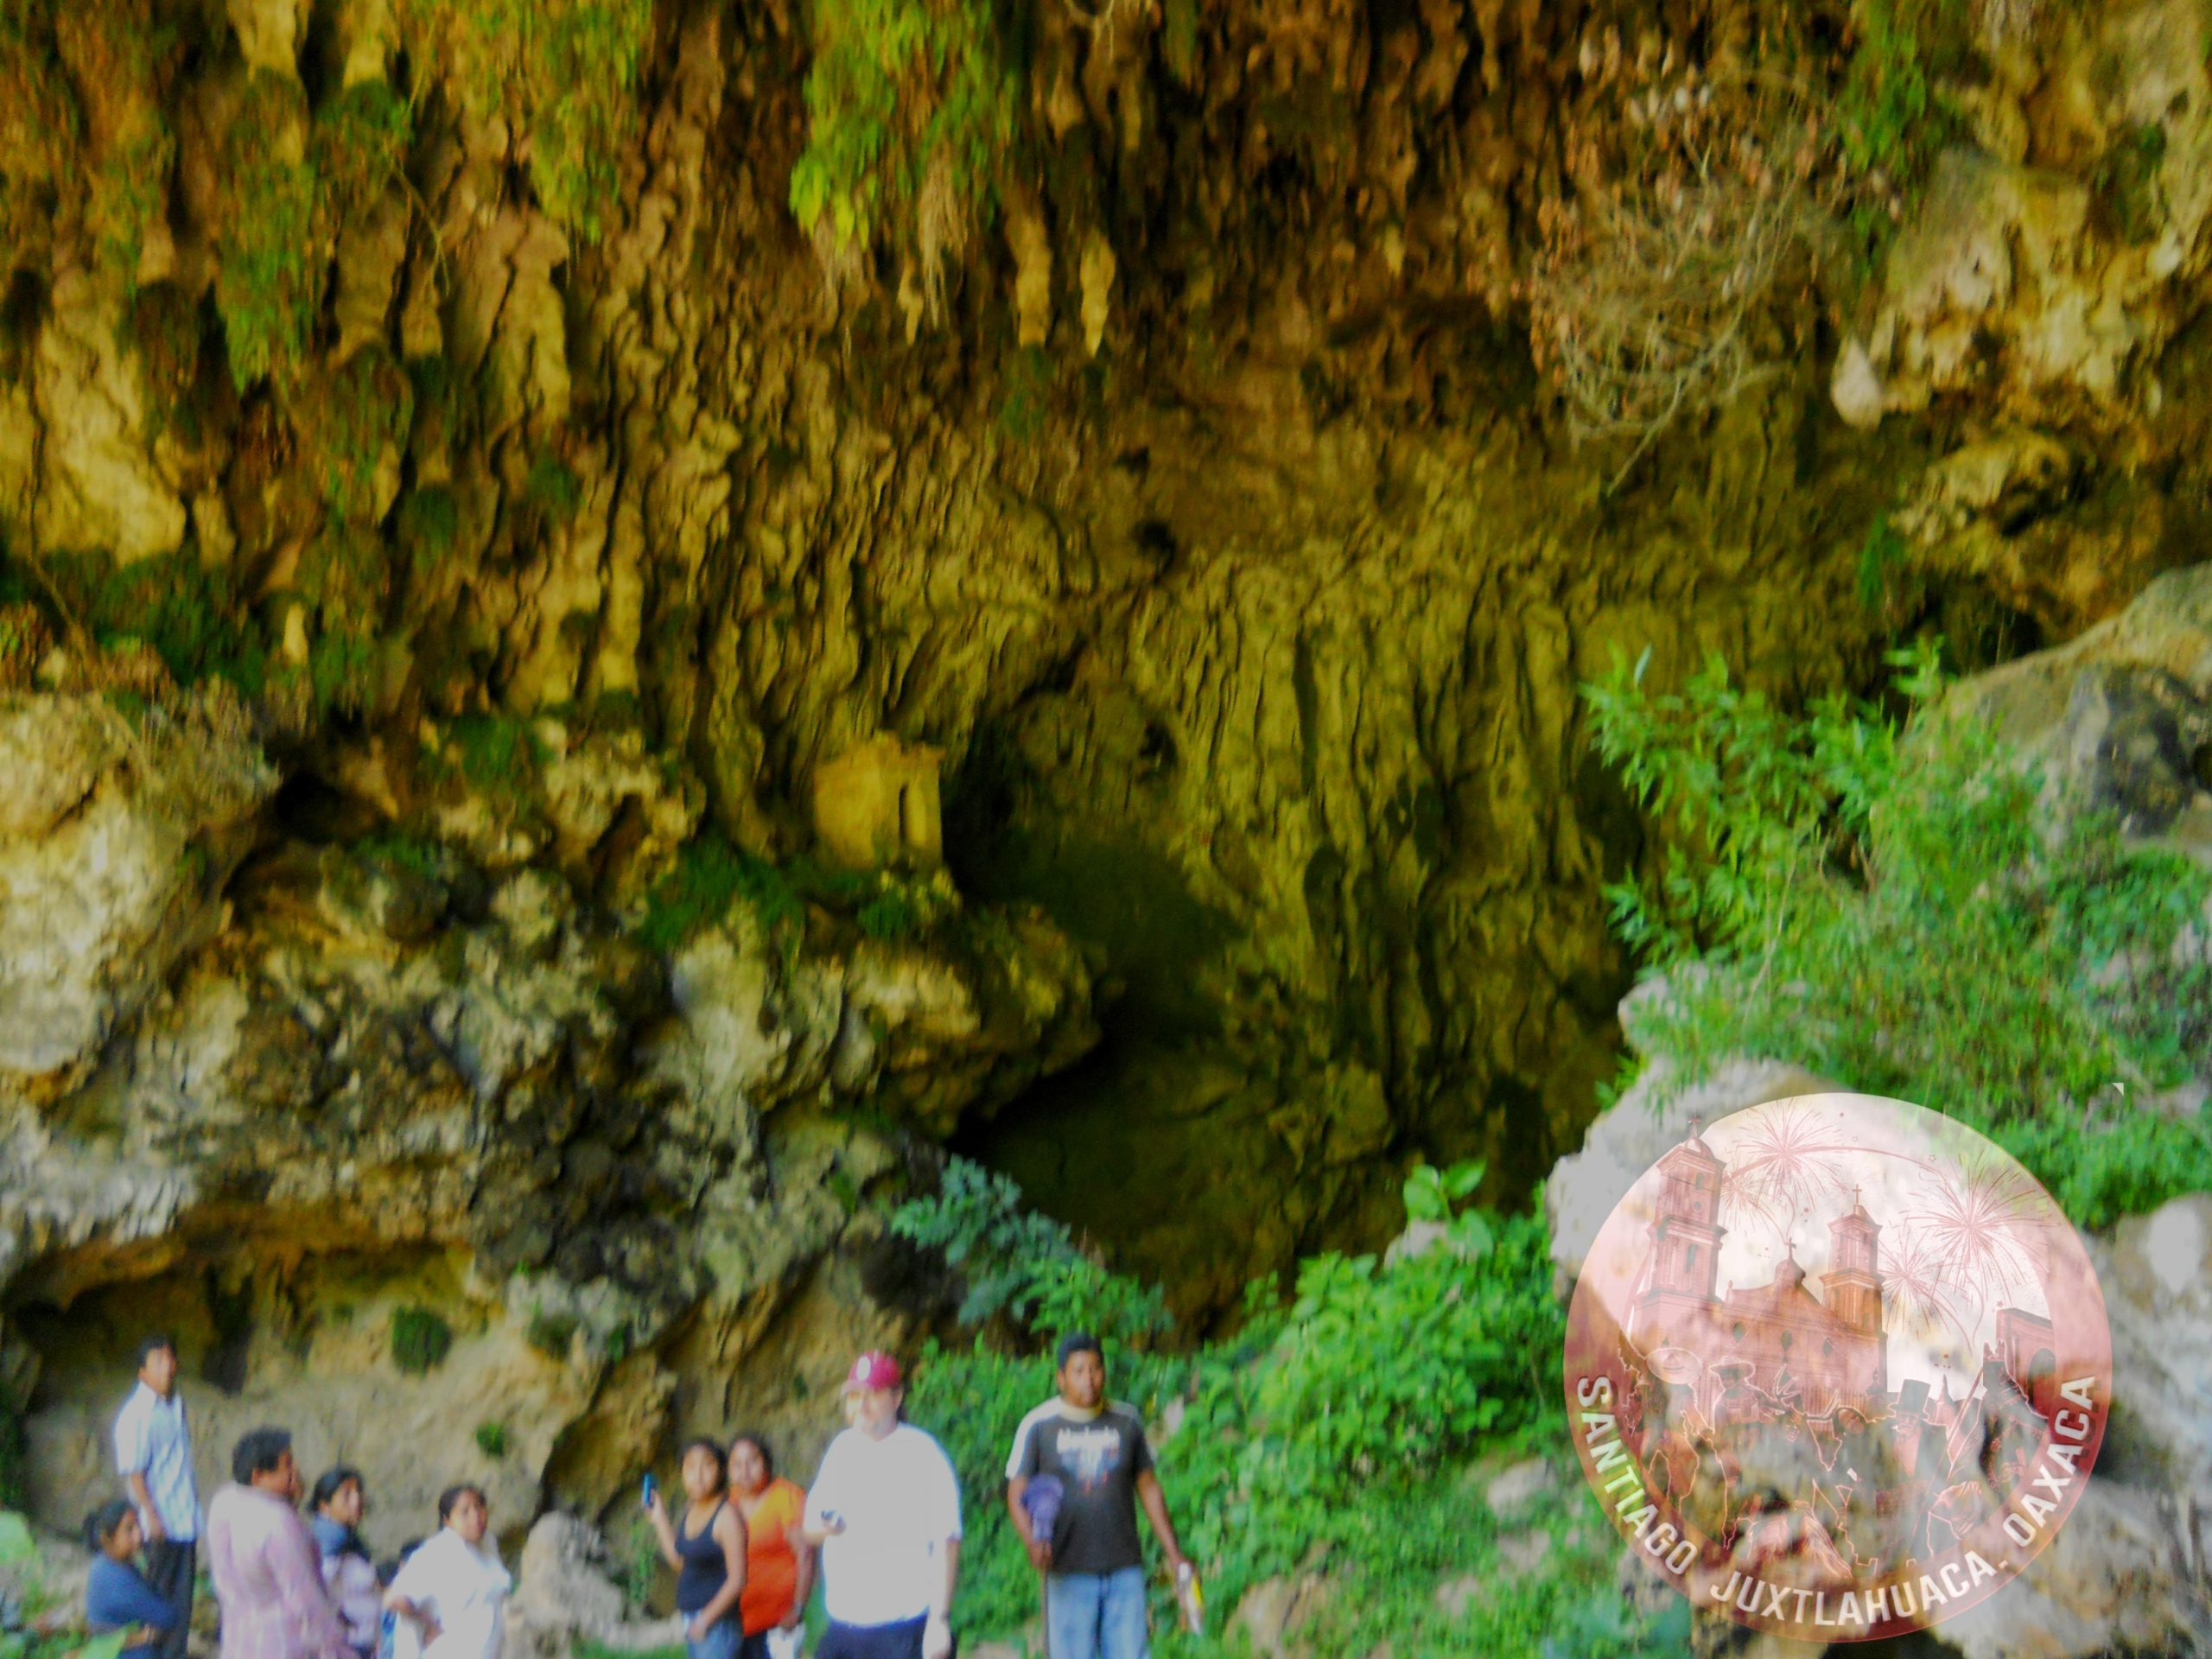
(707, 1549)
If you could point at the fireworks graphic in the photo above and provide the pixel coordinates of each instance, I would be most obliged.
(1917, 1300)
(1789, 1165)
(1983, 1227)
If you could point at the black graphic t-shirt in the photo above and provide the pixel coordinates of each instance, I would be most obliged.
(1097, 1457)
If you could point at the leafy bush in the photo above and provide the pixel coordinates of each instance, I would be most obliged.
(422, 859)
(552, 486)
(360, 146)
(711, 874)
(495, 753)
(491, 1439)
(1331, 1427)
(638, 1570)
(1022, 1267)
(1378, 1376)
(12, 1460)
(194, 622)
(420, 1340)
(909, 104)
(1877, 902)
(1397, 1367)
(1891, 112)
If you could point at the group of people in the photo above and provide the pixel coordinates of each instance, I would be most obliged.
(884, 1514)
(287, 1587)
(882, 1519)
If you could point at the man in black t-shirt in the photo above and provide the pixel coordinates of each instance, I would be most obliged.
(1094, 1599)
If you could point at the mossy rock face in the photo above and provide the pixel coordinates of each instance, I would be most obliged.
(1210, 508)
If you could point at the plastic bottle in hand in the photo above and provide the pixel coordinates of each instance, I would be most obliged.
(1191, 1598)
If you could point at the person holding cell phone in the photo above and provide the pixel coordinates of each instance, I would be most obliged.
(707, 1549)
(885, 1511)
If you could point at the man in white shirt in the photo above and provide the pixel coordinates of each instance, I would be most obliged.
(886, 1511)
(153, 1453)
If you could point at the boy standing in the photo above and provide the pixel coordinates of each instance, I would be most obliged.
(1094, 1598)
(153, 1453)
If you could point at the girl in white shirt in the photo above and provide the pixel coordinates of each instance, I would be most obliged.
(455, 1588)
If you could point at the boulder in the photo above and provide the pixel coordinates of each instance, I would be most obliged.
(564, 1598)
(2120, 716)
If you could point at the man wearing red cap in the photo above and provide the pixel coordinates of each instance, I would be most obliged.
(886, 1511)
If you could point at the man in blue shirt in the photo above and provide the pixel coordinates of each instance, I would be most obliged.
(152, 1452)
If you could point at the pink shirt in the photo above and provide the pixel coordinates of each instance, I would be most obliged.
(269, 1580)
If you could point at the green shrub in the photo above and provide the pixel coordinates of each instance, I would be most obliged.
(910, 104)
(638, 1570)
(420, 1340)
(12, 1460)
(1891, 112)
(1400, 1367)
(187, 613)
(891, 916)
(491, 1439)
(41, 1625)
(710, 874)
(553, 488)
(429, 523)
(1335, 1426)
(406, 853)
(360, 146)
(497, 754)
(1880, 905)
(1021, 1266)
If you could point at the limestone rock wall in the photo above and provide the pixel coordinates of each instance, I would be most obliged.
(1214, 521)
(374, 1086)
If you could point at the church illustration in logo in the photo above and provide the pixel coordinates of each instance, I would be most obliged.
(1782, 1344)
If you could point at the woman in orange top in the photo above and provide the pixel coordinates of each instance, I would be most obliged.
(779, 1563)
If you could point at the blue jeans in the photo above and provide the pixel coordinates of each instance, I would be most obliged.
(723, 1638)
(1097, 1615)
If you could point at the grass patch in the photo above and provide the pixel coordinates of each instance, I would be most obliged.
(420, 1340)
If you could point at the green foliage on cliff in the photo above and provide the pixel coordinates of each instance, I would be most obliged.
(269, 282)
(710, 876)
(1878, 902)
(564, 70)
(173, 602)
(910, 105)
(1333, 1428)
(1891, 112)
(1888, 113)
(420, 1340)
(360, 146)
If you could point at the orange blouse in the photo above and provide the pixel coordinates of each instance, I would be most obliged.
(771, 1565)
